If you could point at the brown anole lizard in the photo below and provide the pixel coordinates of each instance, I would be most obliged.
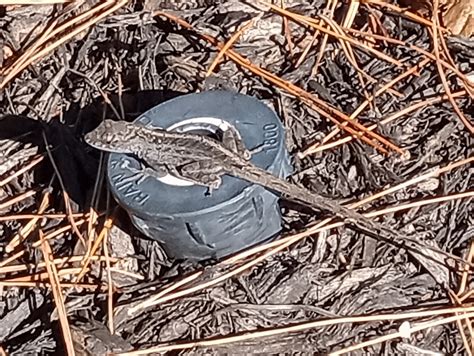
(203, 160)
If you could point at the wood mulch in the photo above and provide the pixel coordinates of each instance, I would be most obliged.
(377, 101)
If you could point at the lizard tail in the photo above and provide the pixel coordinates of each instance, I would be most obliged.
(297, 194)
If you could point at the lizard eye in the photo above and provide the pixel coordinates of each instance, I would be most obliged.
(109, 137)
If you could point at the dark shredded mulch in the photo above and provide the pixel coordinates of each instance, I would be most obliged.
(336, 273)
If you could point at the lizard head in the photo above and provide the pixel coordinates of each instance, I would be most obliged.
(112, 136)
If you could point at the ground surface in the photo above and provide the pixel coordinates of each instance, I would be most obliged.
(134, 59)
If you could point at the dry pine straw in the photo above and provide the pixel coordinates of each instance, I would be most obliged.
(242, 275)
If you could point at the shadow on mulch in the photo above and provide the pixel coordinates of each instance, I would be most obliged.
(70, 154)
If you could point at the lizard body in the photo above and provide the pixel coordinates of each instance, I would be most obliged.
(203, 160)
